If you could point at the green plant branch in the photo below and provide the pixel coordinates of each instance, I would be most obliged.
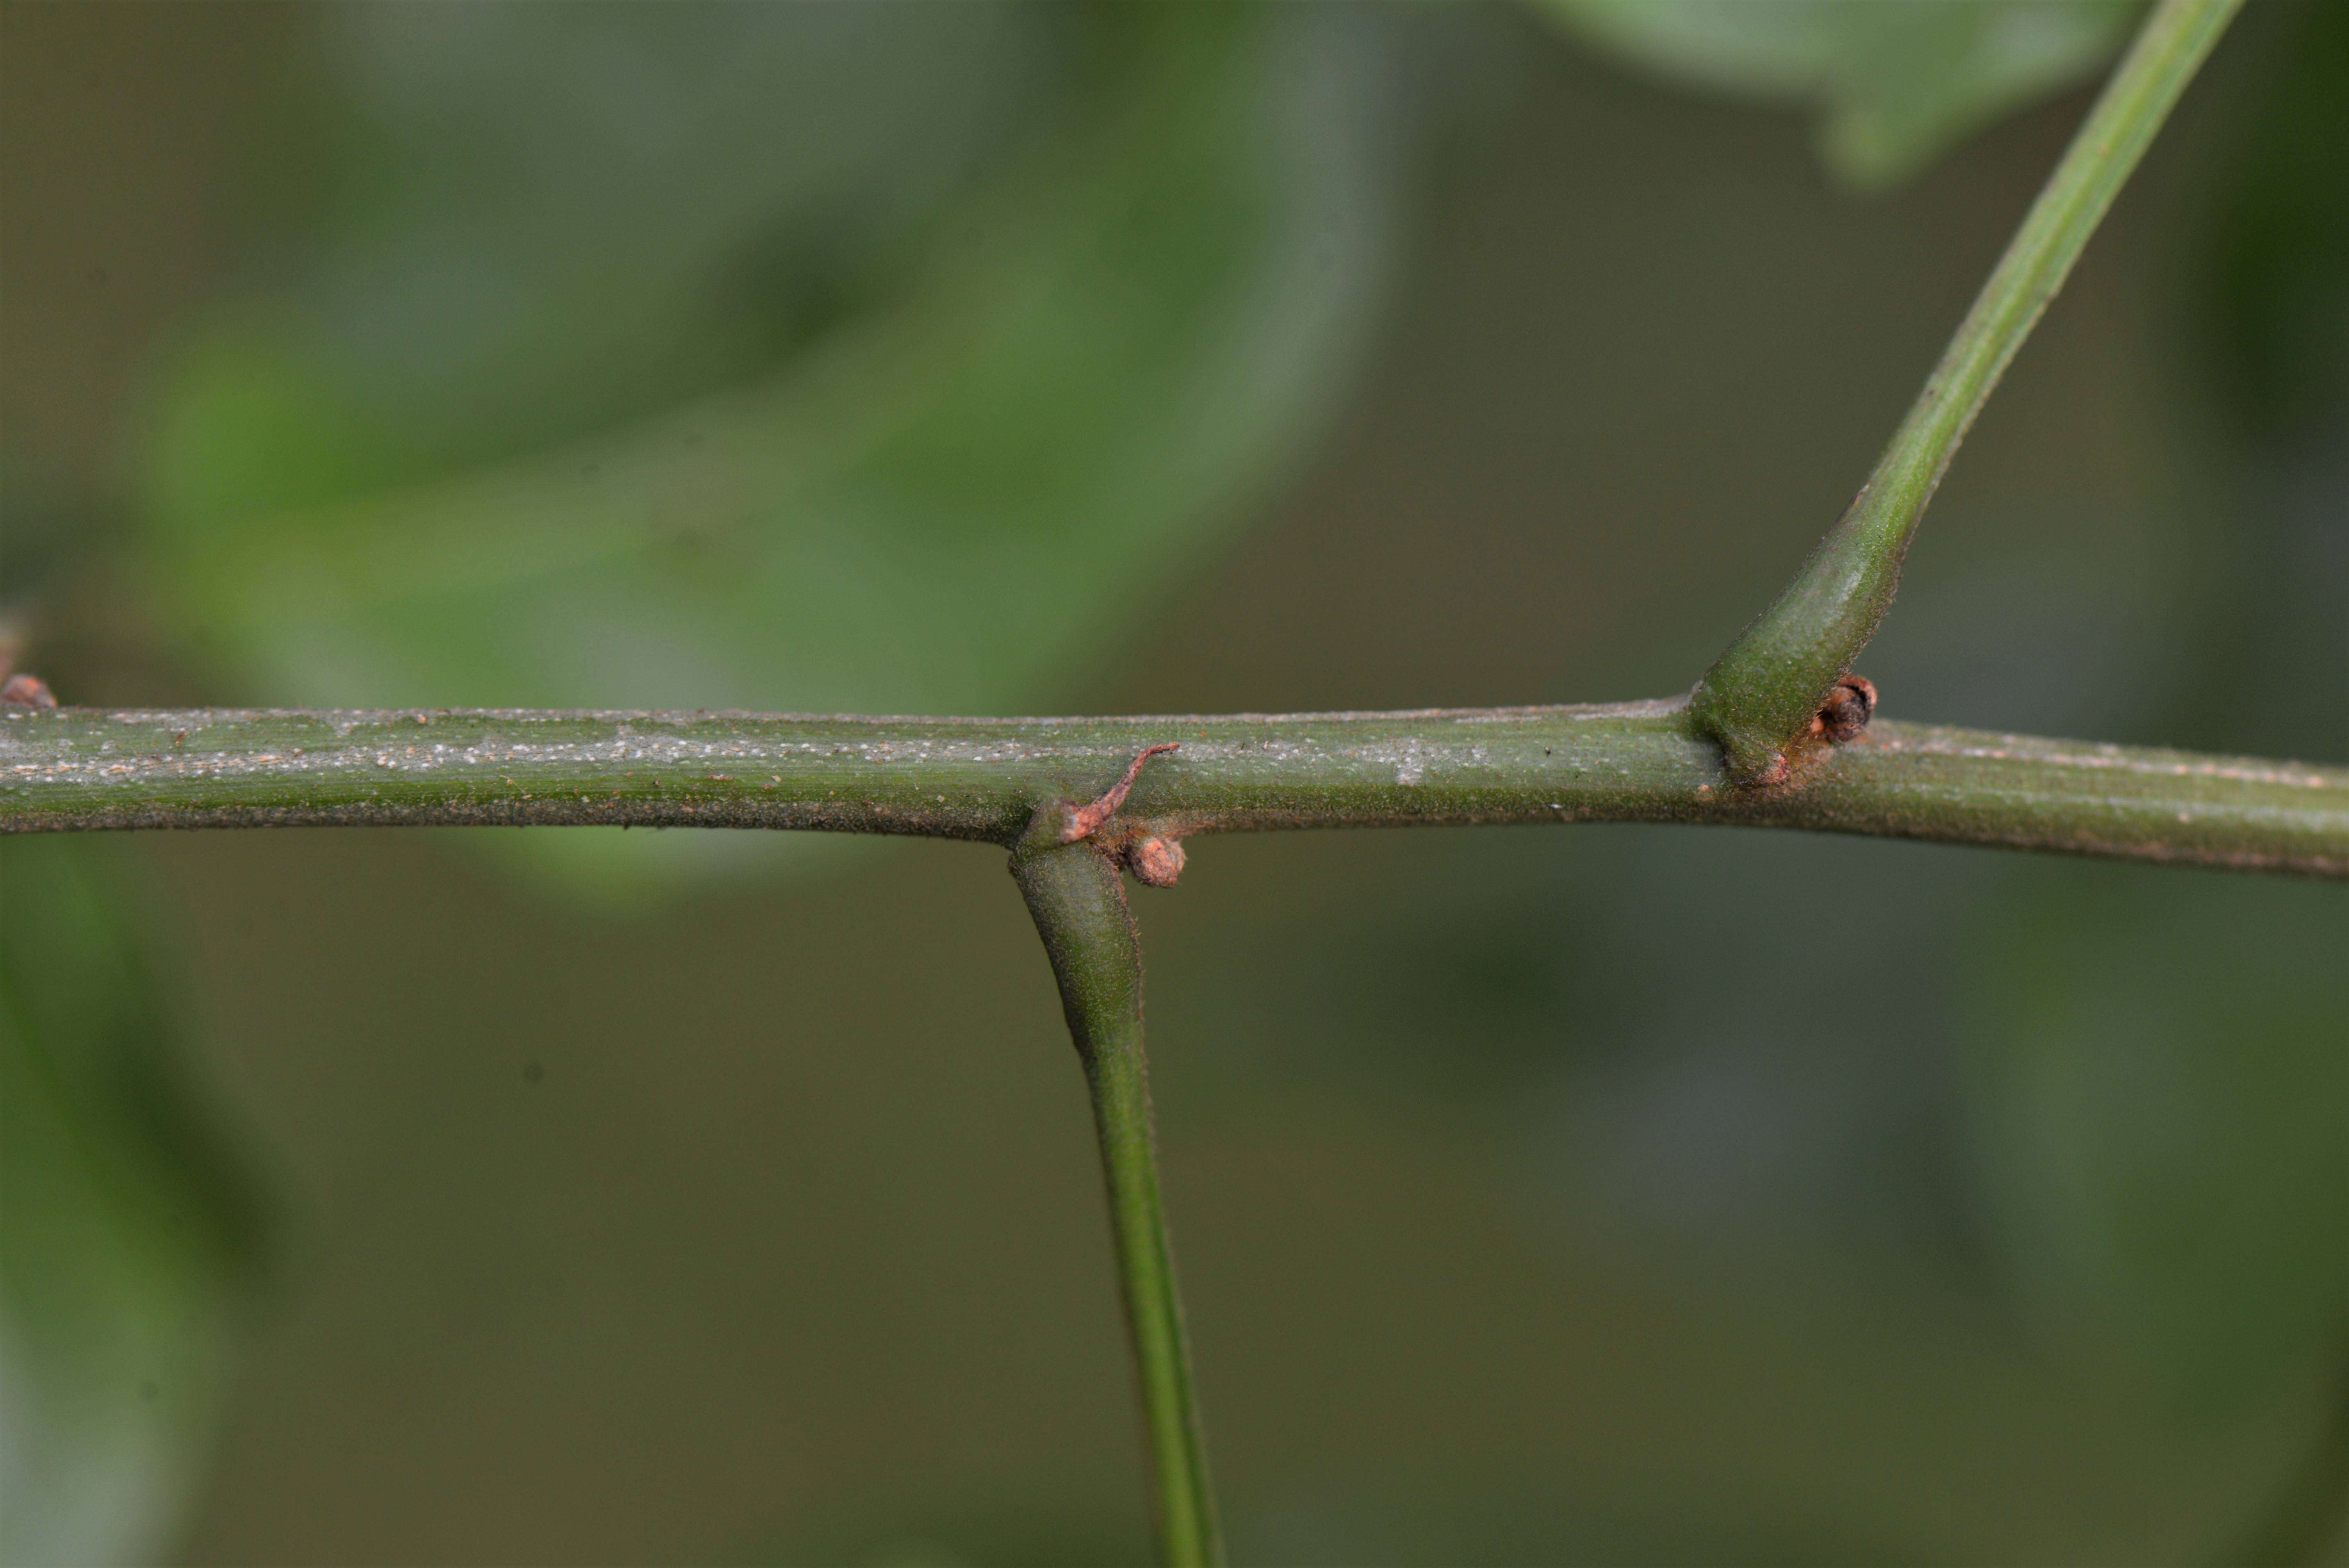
(1078, 900)
(65, 770)
(1758, 698)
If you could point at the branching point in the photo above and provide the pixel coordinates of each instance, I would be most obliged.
(1762, 698)
(1841, 718)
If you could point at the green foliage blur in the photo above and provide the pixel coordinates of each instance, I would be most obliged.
(779, 377)
(1618, 1195)
(1894, 84)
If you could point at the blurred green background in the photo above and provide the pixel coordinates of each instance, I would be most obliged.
(1611, 1195)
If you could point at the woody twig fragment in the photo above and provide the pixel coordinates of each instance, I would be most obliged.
(1083, 822)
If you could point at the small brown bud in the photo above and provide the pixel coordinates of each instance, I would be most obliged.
(27, 691)
(1157, 860)
(1773, 772)
(1846, 710)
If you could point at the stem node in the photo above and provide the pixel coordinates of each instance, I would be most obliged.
(1761, 696)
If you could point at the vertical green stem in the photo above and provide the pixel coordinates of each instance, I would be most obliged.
(1079, 904)
(1759, 697)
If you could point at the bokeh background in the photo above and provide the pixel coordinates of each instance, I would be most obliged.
(1605, 1195)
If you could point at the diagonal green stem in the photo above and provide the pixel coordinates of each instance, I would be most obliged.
(1074, 892)
(1758, 698)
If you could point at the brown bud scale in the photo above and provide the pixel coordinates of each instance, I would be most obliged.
(27, 691)
(1846, 710)
(1157, 860)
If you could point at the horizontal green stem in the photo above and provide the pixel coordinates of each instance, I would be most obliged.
(1758, 698)
(982, 779)
(1078, 900)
